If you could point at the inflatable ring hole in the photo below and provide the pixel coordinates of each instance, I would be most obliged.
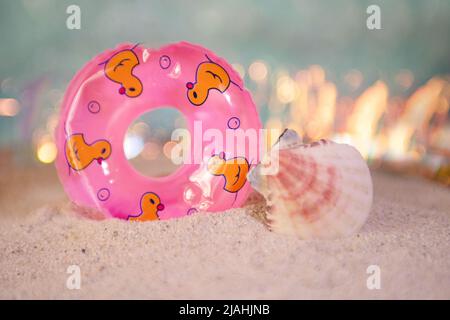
(148, 145)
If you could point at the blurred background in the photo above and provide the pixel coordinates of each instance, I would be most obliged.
(312, 65)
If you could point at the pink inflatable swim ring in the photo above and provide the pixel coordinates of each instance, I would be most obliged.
(117, 87)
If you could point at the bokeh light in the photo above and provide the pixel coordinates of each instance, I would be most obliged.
(286, 89)
(9, 107)
(151, 151)
(133, 145)
(258, 71)
(354, 79)
(405, 79)
(168, 147)
(46, 152)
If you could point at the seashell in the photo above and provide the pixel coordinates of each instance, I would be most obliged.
(321, 190)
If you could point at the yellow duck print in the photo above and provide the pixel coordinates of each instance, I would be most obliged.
(209, 76)
(119, 68)
(150, 206)
(233, 170)
(80, 154)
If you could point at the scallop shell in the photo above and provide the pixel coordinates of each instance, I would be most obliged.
(321, 190)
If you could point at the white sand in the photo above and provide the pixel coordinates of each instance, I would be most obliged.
(226, 255)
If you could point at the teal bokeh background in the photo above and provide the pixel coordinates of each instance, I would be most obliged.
(297, 33)
(39, 54)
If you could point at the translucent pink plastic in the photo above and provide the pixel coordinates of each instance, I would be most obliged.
(118, 86)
